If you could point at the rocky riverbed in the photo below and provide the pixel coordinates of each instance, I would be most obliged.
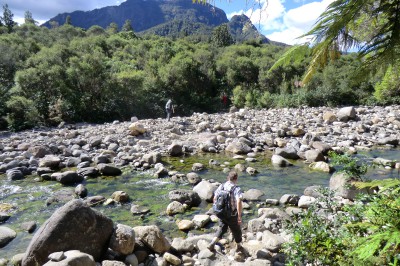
(70, 154)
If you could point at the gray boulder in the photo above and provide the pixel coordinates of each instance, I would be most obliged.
(197, 167)
(75, 226)
(288, 152)
(271, 241)
(69, 258)
(314, 156)
(343, 187)
(175, 149)
(346, 113)
(175, 207)
(6, 235)
(313, 191)
(253, 194)
(88, 171)
(50, 161)
(123, 239)
(278, 160)
(153, 238)
(291, 199)
(184, 196)
(109, 170)
(256, 225)
(205, 190)
(81, 191)
(69, 178)
(238, 148)
(4, 217)
(193, 178)
(152, 158)
(14, 174)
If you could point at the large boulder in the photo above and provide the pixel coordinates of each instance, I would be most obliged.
(238, 148)
(320, 166)
(153, 238)
(175, 149)
(88, 171)
(6, 235)
(136, 129)
(329, 117)
(152, 158)
(175, 207)
(108, 170)
(123, 239)
(342, 185)
(346, 113)
(314, 156)
(205, 190)
(288, 152)
(278, 160)
(74, 226)
(14, 174)
(50, 161)
(271, 241)
(253, 194)
(69, 177)
(184, 196)
(71, 257)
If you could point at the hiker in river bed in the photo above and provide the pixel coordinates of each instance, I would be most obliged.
(169, 108)
(232, 219)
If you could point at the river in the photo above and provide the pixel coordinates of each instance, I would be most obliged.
(28, 197)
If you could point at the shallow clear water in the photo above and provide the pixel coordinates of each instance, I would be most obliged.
(29, 197)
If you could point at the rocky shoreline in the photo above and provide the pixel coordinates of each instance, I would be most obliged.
(93, 150)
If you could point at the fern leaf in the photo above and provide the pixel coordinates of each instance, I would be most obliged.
(383, 184)
(294, 54)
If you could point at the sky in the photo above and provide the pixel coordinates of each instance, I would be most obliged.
(279, 20)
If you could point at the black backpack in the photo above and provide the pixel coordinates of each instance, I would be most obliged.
(222, 205)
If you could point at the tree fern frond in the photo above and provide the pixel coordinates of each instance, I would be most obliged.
(293, 55)
(384, 184)
(371, 245)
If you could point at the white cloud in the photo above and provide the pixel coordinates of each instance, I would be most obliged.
(44, 10)
(285, 26)
(269, 16)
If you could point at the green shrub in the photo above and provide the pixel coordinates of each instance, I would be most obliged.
(22, 113)
(239, 96)
(353, 167)
(317, 234)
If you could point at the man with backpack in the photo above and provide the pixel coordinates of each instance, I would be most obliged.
(169, 108)
(228, 207)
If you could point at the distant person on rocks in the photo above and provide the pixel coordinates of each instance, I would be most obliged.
(169, 108)
(224, 100)
(234, 220)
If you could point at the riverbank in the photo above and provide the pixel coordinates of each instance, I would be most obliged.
(291, 134)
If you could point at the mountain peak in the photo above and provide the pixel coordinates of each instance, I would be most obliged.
(242, 27)
(163, 17)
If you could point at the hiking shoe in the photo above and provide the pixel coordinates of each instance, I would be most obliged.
(211, 247)
(239, 256)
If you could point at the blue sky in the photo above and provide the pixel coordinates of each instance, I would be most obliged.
(279, 20)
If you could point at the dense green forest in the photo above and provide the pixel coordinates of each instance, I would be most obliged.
(69, 74)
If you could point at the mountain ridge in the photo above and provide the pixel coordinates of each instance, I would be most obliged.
(175, 18)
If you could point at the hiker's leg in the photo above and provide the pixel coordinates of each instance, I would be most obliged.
(222, 229)
(235, 229)
(211, 246)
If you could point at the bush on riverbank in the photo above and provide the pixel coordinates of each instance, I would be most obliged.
(364, 233)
